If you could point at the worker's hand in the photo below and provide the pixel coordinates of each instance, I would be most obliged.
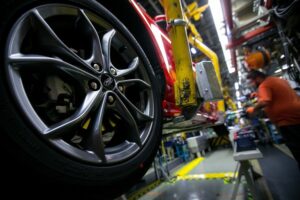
(253, 95)
(250, 111)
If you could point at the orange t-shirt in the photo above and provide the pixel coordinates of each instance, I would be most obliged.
(284, 104)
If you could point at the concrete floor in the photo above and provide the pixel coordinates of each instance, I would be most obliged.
(220, 160)
(281, 173)
(193, 187)
(194, 190)
(280, 180)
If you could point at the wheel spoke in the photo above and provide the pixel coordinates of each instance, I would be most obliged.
(38, 62)
(95, 140)
(132, 67)
(120, 108)
(85, 24)
(59, 129)
(106, 43)
(130, 82)
(50, 43)
(140, 115)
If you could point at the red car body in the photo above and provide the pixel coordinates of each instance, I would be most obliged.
(164, 53)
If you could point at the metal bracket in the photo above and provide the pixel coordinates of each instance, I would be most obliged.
(178, 22)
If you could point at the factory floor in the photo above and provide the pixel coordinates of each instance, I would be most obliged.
(281, 172)
(213, 177)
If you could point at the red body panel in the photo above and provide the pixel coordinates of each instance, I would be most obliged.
(164, 54)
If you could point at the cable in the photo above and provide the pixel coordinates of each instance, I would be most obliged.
(285, 11)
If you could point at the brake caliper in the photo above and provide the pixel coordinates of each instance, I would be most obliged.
(60, 97)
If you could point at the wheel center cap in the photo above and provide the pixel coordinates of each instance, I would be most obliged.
(107, 81)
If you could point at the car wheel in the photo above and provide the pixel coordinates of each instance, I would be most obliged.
(79, 99)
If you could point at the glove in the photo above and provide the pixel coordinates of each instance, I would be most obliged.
(250, 110)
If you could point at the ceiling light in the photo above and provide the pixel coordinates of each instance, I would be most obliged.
(193, 50)
(285, 66)
(278, 71)
(218, 18)
(239, 104)
(236, 85)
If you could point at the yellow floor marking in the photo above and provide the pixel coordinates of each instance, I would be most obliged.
(207, 176)
(137, 194)
(189, 167)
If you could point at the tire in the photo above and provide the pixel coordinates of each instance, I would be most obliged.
(79, 101)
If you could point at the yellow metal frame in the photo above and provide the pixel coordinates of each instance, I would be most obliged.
(230, 103)
(185, 86)
(194, 11)
(196, 40)
(209, 53)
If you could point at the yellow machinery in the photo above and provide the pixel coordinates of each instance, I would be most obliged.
(177, 32)
(196, 40)
(230, 103)
(185, 88)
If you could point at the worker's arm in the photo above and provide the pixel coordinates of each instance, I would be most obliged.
(260, 105)
(254, 109)
(265, 97)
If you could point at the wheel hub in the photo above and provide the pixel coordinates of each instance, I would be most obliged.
(107, 81)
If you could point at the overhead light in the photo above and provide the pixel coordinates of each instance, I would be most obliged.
(239, 104)
(229, 67)
(218, 18)
(193, 50)
(282, 56)
(240, 74)
(236, 85)
(285, 66)
(278, 71)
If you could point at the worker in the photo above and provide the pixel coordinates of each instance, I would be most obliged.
(281, 105)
